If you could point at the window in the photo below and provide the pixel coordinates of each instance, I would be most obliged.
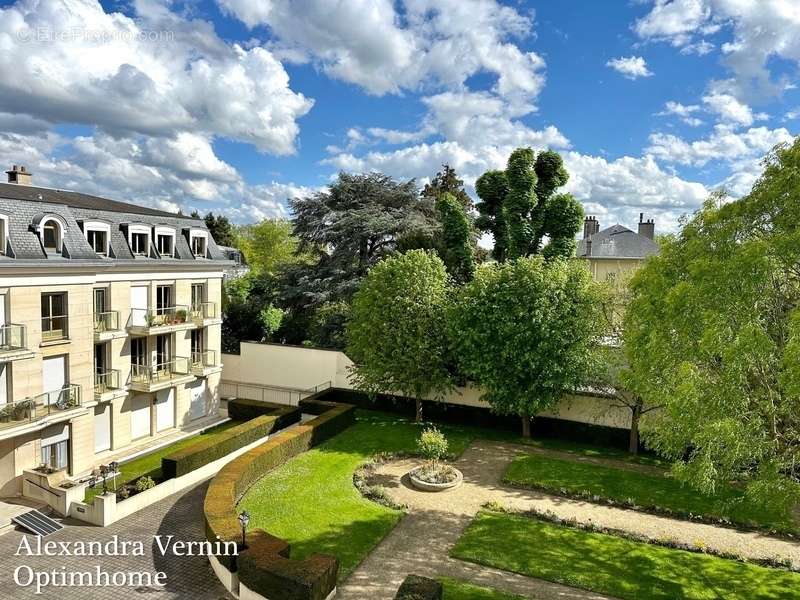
(197, 242)
(100, 301)
(98, 240)
(51, 235)
(139, 351)
(164, 244)
(198, 295)
(163, 299)
(140, 243)
(3, 233)
(197, 344)
(163, 353)
(54, 316)
(56, 456)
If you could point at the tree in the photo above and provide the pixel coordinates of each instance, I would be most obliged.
(524, 331)
(269, 245)
(446, 181)
(519, 208)
(327, 327)
(396, 332)
(455, 248)
(713, 334)
(221, 229)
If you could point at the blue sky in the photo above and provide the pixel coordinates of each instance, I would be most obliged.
(236, 105)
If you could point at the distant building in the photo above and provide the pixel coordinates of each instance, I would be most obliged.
(616, 249)
(239, 268)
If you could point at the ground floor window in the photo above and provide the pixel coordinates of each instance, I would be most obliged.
(56, 456)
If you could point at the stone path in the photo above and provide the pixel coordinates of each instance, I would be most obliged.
(188, 577)
(421, 542)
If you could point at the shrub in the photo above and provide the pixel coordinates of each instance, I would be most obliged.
(145, 483)
(415, 587)
(432, 445)
(204, 452)
(243, 409)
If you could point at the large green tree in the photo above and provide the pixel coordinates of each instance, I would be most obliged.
(713, 334)
(447, 181)
(396, 334)
(519, 206)
(455, 246)
(221, 229)
(269, 245)
(524, 331)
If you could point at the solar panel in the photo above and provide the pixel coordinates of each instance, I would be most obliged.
(37, 523)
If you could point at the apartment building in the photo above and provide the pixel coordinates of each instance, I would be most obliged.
(616, 250)
(109, 328)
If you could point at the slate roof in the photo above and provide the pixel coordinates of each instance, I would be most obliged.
(26, 205)
(618, 242)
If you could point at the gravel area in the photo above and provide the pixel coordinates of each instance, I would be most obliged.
(413, 547)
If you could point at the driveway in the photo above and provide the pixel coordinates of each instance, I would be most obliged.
(186, 576)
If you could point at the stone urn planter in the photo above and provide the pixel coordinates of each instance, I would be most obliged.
(439, 478)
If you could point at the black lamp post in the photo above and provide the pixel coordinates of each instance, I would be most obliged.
(104, 475)
(244, 520)
(113, 468)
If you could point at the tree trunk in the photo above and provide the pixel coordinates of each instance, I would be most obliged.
(526, 426)
(418, 417)
(633, 444)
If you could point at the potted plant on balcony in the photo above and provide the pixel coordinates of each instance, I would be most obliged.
(180, 315)
(150, 319)
(5, 412)
(23, 409)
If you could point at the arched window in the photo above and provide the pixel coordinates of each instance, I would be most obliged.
(52, 235)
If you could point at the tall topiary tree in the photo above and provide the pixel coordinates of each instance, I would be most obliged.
(519, 206)
(524, 331)
(396, 334)
(455, 246)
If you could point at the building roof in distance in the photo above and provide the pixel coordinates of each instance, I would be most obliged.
(617, 242)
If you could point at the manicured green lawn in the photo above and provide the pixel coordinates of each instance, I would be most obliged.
(455, 589)
(646, 490)
(150, 464)
(615, 566)
(311, 502)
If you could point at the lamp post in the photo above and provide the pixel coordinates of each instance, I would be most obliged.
(104, 475)
(244, 520)
(113, 467)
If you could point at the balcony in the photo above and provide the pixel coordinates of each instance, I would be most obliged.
(204, 313)
(106, 326)
(51, 405)
(148, 321)
(107, 385)
(14, 343)
(204, 363)
(151, 378)
(55, 329)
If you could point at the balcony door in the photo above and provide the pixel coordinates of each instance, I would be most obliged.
(4, 368)
(100, 301)
(54, 377)
(163, 299)
(163, 353)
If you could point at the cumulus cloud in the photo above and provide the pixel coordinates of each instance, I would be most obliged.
(730, 110)
(416, 44)
(631, 67)
(682, 111)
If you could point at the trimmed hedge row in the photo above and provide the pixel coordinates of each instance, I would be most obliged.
(243, 409)
(264, 566)
(204, 452)
(415, 587)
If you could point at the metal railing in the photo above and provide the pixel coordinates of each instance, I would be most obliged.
(33, 409)
(206, 358)
(171, 369)
(54, 328)
(204, 310)
(13, 337)
(106, 381)
(159, 317)
(268, 393)
(106, 321)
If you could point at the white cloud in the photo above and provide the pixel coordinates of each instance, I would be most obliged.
(700, 48)
(729, 109)
(682, 111)
(761, 29)
(632, 67)
(384, 50)
(724, 144)
(108, 72)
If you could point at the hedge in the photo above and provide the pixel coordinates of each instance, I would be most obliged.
(244, 409)
(264, 566)
(204, 452)
(415, 587)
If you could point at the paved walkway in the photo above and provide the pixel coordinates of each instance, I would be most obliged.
(188, 577)
(414, 548)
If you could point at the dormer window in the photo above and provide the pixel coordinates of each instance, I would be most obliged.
(98, 235)
(165, 241)
(139, 240)
(52, 235)
(3, 234)
(198, 242)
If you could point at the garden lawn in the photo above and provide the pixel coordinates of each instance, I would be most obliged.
(649, 491)
(150, 464)
(311, 502)
(611, 565)
(455, 589)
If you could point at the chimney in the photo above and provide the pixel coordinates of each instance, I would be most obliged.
(646, 228)
(590, 226)
(19, 175)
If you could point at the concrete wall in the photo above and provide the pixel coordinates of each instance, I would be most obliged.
(302, 368)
